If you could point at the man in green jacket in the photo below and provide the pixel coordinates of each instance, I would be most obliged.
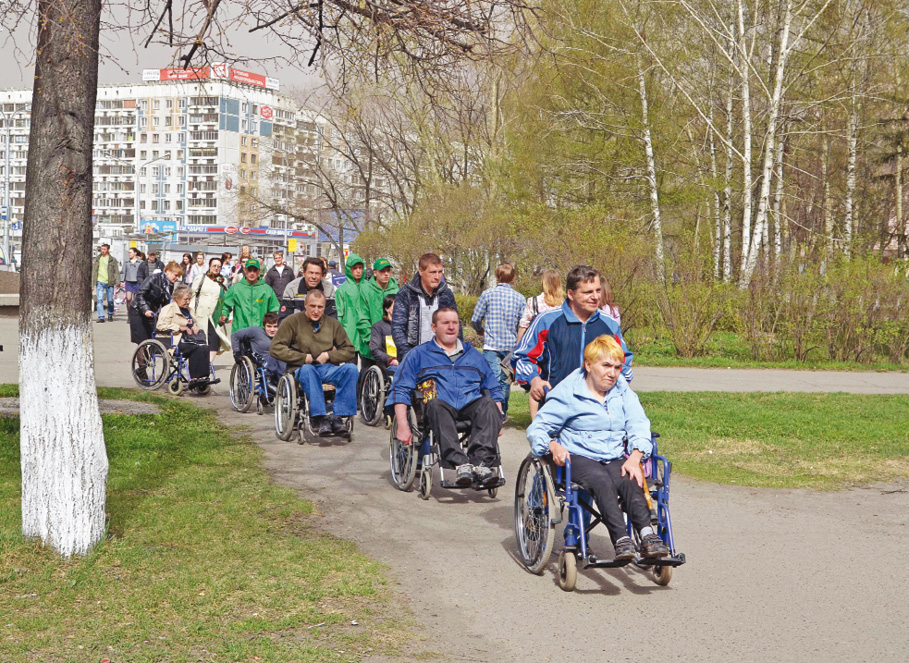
(372, 293)
(317, 349)
(249, 300)
(347, 298)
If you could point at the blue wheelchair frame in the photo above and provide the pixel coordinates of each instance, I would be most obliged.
(583, 516)
(181, 370)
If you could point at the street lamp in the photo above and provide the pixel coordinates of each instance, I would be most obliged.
(7, 120)
(139, 190)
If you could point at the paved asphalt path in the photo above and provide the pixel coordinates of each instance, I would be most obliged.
(772, 575)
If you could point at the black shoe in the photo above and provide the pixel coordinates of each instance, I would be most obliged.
(110, 318)
(339, 427)
(100, 319)
(653, 546)
(624, 549)
(485, 476)
(324, 427)
(464, 475)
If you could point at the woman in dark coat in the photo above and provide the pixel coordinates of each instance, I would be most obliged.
(154, 293)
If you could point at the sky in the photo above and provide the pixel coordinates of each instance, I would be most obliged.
(123, 57)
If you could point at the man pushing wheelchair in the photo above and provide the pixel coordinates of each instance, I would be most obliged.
(457, 386)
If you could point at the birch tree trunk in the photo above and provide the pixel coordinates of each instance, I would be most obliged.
(849, 204)
(727, 193)
(829, 240)
(717, 205)
(651, 169)
(776, 101)
(744, 67)
(777, 202)
(900, 221)
(64, 462)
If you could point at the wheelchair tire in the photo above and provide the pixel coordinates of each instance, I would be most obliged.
(568, 570)
(175, 386)
(426, 482)
(151, 364)
(372, 396)
(534, 521)
(286, 407)
(242, 385)
(403, 459)
(662, 574)
(204, 390)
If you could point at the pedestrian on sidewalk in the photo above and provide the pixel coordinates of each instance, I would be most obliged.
(131, 274)
(106, 277)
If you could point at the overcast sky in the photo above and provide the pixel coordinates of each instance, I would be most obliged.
(124, 57)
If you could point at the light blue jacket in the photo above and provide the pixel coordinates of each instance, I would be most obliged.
(584, 426)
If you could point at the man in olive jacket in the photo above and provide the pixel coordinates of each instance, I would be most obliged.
(318, 348)
(106, 277)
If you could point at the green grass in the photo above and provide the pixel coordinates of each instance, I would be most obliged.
(729, 350)
(205, 560)
(777, 440)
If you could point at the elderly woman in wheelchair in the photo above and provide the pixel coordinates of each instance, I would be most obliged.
(588, 425)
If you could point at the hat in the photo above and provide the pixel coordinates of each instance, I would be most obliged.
(380, 264)
(332, 263)
(252, 263)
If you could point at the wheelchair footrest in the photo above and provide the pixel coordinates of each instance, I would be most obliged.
(476, 485)
(675, 560)
(593, 563)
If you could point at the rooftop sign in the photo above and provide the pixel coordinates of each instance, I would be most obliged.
(218, 71)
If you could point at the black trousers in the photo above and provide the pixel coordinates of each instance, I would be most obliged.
(141, 328)
(197, 357)
(485, 423)
(604, 481)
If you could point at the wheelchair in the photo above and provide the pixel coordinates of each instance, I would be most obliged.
(376, 382)
(539, 505)
(292, 411)
(248, 382)
(420, 458)
(158, 361)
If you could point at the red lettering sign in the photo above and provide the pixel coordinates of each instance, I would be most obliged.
(230, 230)
(244, 230)
(193, 74)
(247, 77)
(266, 112)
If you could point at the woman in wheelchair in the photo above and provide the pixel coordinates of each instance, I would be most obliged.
(381, 344)
(177, 319)
(592, 413)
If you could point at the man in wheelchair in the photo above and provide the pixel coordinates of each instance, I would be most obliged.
(255, 342)
(452, 376)
(592, 413)
(317, 348)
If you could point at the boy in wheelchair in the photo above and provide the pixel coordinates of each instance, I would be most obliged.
(255, 343)
(458, 374)
(592, 413)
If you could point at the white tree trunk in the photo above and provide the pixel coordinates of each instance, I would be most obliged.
(651, 169)
(849, 203)
(769, 147)
(777, 203)
(898, 186)
(744, 68)
(727, 193)
(64, 463)
(826, 207)
(717, 206)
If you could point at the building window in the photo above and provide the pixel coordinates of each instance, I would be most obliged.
(255, 142)
(252, 158)
(242, 157)
(143, 155)
(156, 104)
(156, 121)
(155, 138)
(243, 141)
(182, 121)
(155, 154)
(170, 103)
(143, 138)
(180, 187)
(168, 121)
(181, 103)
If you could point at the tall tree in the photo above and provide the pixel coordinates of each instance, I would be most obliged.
(64, 462)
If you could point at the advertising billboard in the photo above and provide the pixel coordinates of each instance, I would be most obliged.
(217, 71)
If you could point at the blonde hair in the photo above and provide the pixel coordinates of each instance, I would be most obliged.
(603, 347)
(553, 294)
(174, 268)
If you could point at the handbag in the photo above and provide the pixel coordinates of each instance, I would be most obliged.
(198, 338)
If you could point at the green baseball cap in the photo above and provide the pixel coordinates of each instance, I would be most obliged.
(380, 264)
(252, 263)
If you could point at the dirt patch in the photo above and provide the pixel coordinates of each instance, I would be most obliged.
(9, 283)
(9, 407)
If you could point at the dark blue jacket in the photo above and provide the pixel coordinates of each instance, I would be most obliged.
(554, 345)
(458, 384)
(405, 322)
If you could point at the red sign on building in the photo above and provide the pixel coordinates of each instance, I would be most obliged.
(266, 112)
(194, 74)
(247, 77)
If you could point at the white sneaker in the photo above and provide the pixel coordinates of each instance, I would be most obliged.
(464, 474)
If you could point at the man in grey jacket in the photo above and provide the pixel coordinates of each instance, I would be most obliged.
(106, 277)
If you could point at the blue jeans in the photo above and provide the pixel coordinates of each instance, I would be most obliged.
(344, 377)
(100, 290)
(493, 357)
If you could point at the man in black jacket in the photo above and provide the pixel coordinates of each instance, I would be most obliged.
(295, 293)
(279, 275)
(415, 303)
(148, 267)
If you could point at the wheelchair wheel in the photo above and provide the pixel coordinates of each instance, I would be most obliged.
(151, 364)
(242, 385)
(426, 481)
(403, 458)
(372, 396)
(175, 386)
(285, 407)
(568, 570)
(662, 574)
(534, 505)
(493, 492)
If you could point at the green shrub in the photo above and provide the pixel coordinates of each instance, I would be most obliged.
(466, 304)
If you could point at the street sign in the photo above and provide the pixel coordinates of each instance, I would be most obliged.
(291, 245)
(15, 225)
(4, 212)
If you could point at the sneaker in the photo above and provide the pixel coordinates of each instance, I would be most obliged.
(100, 319)
(464, 474)
(339, 427)
(624, 549)
(485, 475)
(653, 546)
